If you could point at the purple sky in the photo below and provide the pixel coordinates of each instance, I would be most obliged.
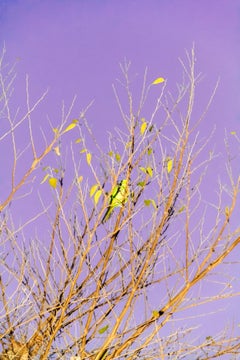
(74, 47)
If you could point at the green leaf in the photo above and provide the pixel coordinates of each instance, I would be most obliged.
(143, 127)
(110, 153)
(89, 158)
(147, 202)
(141, 183)
(97, 196)
(103, 329)
(159, 80)
(52, 182)
(93, 189)
(149, 151)
(169, 165)
(181, 209)
(117, 157)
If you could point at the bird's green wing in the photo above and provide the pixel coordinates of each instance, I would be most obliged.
(117, 198)
(119, 195)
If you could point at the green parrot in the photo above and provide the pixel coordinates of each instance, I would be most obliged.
(117, 199)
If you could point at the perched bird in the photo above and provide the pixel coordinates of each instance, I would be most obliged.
(117, 199)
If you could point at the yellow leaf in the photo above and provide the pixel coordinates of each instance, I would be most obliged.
(143, 169)
(110, 153)
(45, 178)
(55, 130)
(143, 127)
(83, 151)
(227, 213)
(57, 150)
(77, 141)
(155, 313)
(53, 182)
(97, 196)
(93, 189)
(70, 126)
(153, 204)
(233, 132)
(149, 171)
(159, 80)
(169, 165)
(89, 158)
(80, 179)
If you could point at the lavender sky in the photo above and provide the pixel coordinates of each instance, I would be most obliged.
(74, 47)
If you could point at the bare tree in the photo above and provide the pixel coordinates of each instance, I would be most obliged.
(115, 264)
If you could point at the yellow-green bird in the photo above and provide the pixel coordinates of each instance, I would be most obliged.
(117, 199)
